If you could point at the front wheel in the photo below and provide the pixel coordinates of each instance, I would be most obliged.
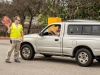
(27, 52)
(84, 57)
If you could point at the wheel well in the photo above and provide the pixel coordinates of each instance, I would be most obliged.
(79, 47)
(28, 44)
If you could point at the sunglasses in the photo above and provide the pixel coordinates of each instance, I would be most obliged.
(18, 20)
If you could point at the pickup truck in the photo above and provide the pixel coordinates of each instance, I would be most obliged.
(79, 39)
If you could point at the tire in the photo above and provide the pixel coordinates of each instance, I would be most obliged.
(47, 55)
(98, 60)
(27, 52)
(84, 57)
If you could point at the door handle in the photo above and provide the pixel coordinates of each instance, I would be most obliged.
(56, 39)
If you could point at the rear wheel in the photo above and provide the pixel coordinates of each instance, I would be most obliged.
(84, 57)
(27, 52)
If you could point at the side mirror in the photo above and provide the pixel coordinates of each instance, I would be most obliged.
(40, 34)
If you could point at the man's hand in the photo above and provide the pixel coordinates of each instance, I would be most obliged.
(22, 40)
(8, 31)
(52, 31)
(22, 37)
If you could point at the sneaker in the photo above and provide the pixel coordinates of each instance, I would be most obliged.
(7, 61)
(17, 60)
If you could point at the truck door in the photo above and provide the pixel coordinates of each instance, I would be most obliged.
(47, 42)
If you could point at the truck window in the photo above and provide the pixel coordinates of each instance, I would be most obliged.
(74, 29)
(86, 29)
(96, 30)
(83, 30)
(51, 30)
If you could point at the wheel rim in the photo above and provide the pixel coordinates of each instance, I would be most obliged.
(83, 57)
(26, 52)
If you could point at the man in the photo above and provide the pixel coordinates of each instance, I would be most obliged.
(16, 37)
(55, 32)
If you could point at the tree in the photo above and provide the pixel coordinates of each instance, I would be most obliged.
(19, 7)
(4, 8)
(50, 8)
(26, 8)
(33, 10)
(83, 9)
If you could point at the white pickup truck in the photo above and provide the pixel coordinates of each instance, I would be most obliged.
(79, 39)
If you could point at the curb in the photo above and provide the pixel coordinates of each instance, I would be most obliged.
(4, 38)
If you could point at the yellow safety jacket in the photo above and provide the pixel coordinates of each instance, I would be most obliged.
(16, 33)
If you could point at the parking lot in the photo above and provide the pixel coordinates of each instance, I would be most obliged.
(41, 65)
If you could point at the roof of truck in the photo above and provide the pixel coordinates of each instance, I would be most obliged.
(76, 20)
(79, 22)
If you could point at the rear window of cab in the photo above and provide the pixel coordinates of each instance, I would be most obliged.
(83, 29)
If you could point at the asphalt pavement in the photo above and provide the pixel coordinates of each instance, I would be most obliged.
(41, 65)
(5, 42)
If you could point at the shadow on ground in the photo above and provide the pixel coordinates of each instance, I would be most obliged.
(62, 60)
